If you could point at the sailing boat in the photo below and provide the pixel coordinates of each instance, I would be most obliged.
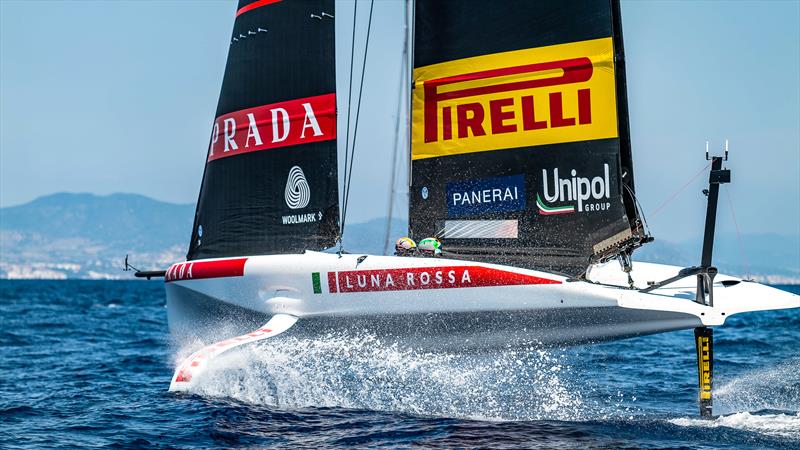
(520, 163)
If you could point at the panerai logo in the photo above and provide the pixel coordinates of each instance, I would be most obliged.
(581, 193)
(297, 196)
(486, 195)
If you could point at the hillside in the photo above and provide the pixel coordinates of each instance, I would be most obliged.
(87, 236)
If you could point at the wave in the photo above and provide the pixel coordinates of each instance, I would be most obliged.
(785, 425)
(764, 401)
(769, 388)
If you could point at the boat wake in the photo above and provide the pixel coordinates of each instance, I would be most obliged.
(768, 388)
(362, 372)
(765, 401)
(785, 425)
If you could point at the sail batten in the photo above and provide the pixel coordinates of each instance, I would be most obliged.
(520, 146)
(270, 184)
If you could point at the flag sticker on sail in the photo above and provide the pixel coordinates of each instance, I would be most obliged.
(523, 98)
(292, 122)
(480, 229)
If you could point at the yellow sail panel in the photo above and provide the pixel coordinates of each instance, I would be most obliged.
(523, 98)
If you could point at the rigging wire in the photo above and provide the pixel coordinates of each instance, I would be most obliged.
(742, 253)
(347, 133)
(681, 189)
(349, 171)
(643, 225)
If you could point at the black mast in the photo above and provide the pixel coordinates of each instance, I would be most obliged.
(705, 277)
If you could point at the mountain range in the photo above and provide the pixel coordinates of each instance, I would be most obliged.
(67, 235)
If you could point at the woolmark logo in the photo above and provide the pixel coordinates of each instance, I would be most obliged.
(297, 193)
(581, 193)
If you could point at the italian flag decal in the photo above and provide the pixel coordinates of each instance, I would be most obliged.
(551, 210)
(315, 283)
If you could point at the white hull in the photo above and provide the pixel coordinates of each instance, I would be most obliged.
(447, 304)
(432, 304)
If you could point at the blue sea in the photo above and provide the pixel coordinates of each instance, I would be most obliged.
(88, 363)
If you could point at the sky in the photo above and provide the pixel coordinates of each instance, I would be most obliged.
(107, 97)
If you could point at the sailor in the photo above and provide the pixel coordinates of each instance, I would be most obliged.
(430, 247)
(405, 246)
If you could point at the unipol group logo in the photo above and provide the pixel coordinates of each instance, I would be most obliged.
(523, 98)
(297, 193)
(573, 193)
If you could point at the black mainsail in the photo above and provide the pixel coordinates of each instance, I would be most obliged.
(270, 182)
(520, 138)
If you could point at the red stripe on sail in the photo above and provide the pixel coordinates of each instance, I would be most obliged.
(283, 124)
(192, 270)
(430, 278)
(254, 5)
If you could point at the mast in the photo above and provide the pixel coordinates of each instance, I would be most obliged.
(411, 18)
(405, 68)
(623, 118)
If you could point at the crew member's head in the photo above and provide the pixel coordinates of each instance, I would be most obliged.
(430, 247)
(405, 247)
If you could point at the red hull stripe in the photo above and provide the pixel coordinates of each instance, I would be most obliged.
(283, 124)
(332, 282)
(254, 5)
(428, 278)
(206, 269)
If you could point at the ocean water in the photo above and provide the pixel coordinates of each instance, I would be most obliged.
(88, 363)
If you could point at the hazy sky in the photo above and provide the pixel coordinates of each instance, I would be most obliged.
(109, 97)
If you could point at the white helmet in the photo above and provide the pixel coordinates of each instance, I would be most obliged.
(430, 247)
(405, 246)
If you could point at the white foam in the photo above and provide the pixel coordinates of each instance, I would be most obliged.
(770, 388)
(340, 370)
(782, 425)
(776, 388)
